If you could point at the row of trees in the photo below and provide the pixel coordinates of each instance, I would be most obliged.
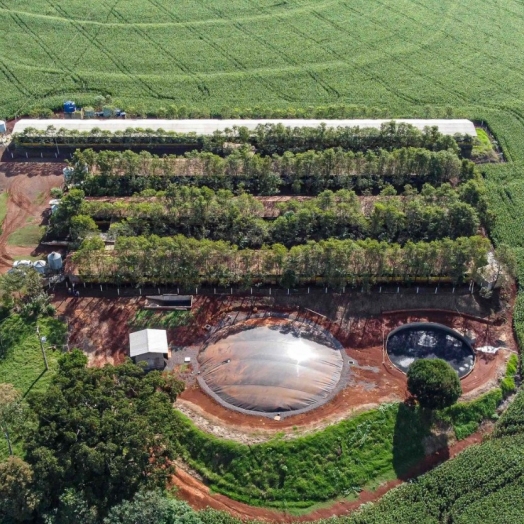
(126, 173)
(203, 213)
(268, 139)
(188, 262)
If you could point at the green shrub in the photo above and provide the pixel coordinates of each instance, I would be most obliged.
(512, 366)
(466, 417)
(507, 385)
(56, 192)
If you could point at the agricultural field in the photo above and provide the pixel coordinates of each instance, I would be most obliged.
(273, 214)
(400, 57)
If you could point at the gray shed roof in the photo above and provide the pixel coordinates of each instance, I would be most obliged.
(209, 126)
(147, 341)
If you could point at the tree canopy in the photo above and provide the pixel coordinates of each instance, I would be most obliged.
(434, 383)
(104, 433)
(21, 290)
(18, 498)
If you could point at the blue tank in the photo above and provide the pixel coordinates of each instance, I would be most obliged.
(69, 107)
(54, 261)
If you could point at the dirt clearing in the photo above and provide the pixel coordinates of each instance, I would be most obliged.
(28, 187)
(101, 326)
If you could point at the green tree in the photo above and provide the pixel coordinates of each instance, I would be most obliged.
(11, 411)
(434, 383)
(60, 221)
(18, 497)
(21, 291)
(72, 507)
(81, 227)
(152, 507)
(105, 433)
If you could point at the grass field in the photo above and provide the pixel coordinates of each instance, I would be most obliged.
(338, 461)
(29, 235)
(21, 361)
(402, 55)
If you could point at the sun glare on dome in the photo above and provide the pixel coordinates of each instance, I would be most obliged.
(299, 351)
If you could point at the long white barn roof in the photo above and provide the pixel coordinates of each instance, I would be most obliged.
(208, 127)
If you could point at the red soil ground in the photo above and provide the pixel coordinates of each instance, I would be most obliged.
(28, 186)
(100, 327)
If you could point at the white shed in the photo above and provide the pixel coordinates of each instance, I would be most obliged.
(150, 346)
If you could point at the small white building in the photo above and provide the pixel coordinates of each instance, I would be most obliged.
(150, 346)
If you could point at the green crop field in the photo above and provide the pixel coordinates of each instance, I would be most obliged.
(401, 55)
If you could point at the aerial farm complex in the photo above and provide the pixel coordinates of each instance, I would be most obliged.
(285, 303)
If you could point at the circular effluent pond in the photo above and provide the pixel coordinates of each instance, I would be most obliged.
(272, 368)
(429, 340)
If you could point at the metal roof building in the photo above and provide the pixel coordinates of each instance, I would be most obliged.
(150, 346)
(209, 126)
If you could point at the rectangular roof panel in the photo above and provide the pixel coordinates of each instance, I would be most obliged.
(209, 126)
(147, 341)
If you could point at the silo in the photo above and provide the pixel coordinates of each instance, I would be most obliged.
(54, 260)
(40, 266)
(3, 127)
(69, 107)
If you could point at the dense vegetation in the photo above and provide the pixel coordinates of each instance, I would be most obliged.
(243, 220)
(188, 262)
(99, 436)
(126, 173)
(296, 473)
(267, 139)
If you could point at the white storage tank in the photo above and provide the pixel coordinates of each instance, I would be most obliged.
(54, 261)
(22, 263)
(40, 266)
(3, 127)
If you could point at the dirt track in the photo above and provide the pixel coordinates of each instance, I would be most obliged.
(28, 186)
